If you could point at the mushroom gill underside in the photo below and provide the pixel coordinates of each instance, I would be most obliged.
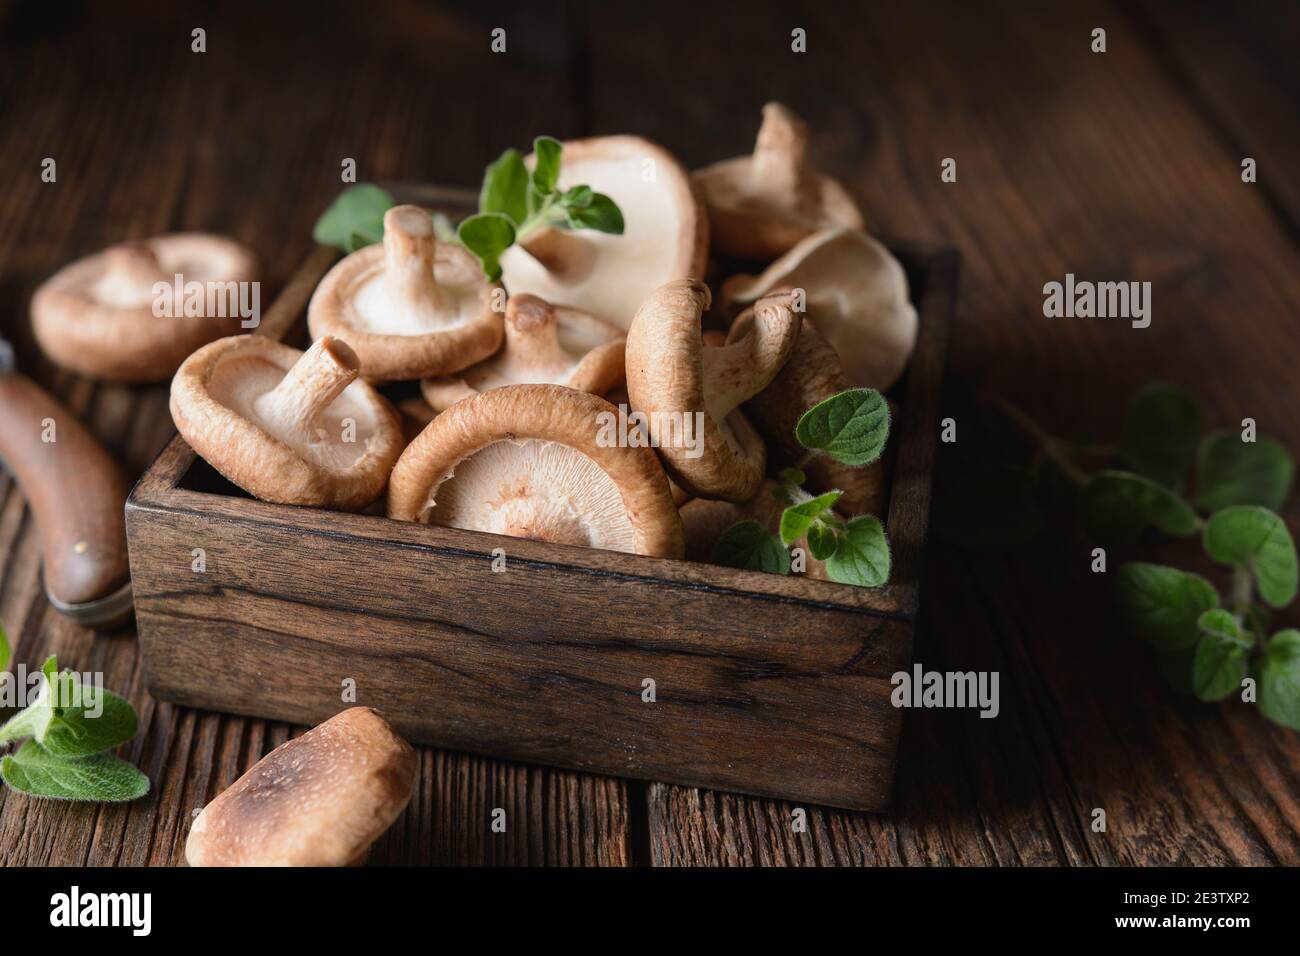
(536, 489)
(242, 382)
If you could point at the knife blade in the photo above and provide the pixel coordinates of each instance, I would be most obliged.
(77, 496)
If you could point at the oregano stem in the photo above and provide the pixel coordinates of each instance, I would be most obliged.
(1242, 589)
(1051, 447)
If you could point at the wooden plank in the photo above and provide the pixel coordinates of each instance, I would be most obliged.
(1067, 161)
(247, 141)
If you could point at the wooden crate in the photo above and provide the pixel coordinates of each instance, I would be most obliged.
(769, 685)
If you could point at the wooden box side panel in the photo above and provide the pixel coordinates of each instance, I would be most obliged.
(540, 662)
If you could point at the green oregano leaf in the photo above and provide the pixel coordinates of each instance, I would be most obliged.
(75, 733)
(1255, 538)
(861, 555)
(1220, 662)
(852, 427)
(792, 476)
(1163, 605)
(1161, 428)
(356, 216)
(1279, 679)
(102, 778)
(798, 518)
(505, 185)
(1231, 472)
(487, 235)
(601, 214)
(822, 541)
(546, 168)
(1118, 505)
(751, 547)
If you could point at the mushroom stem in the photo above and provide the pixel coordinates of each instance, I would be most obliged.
(780, 152)
(132, 263)
(408, 256)
(532, 333)
(566, 256)
(736, 372)
(307, 389)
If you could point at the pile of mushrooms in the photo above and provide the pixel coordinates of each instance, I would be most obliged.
(602, 395)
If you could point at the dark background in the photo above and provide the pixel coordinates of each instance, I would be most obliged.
(1117, 166)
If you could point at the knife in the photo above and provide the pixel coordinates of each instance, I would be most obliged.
(77, 495)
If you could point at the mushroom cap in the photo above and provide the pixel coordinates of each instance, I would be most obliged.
(687, 389)
(320, 799)
(410, 307)
(95, 316)
(545, 344)
(536, 461)
(858, 293)
(219, 401)
(761, 205)
(812, 375)
(665, 235)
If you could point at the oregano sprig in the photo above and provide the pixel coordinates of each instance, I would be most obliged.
(513, 204)
(852, 427)
(1206, 644)
(67, 731)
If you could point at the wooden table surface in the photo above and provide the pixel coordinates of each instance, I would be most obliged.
(1122, 165)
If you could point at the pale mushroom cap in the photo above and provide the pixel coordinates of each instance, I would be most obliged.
(544, 344)
(665, 231)
(412, 306)
(537, 461)
(690, 393)
(219, 403)
(858, 294)
(320, 799)
(96, 315)
(811, 375)
(762, 205)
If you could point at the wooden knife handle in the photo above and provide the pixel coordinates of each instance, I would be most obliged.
(75, 491)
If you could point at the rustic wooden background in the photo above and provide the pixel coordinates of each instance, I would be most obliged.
(1122, 165)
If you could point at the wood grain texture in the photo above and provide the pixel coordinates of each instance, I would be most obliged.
(1125, 165)
(248, 141)
(1111, 166)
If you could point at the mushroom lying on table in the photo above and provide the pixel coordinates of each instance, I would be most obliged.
(689, 390)
(857, 291)
(665, 233)
(288, 426)
(537, 461)
(812, 374)
(545, 344)
(761, 205)
(411, 307)
(97, 315)
(321, 799)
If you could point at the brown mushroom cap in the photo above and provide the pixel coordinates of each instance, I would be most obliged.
(320, 799)
(544, 344)
(676, 382)
(665, 234)
(411, 307)
(533, 461)
(812, 374)
(275, 421)
(858, 293)
(761, 205)
(96, 315)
